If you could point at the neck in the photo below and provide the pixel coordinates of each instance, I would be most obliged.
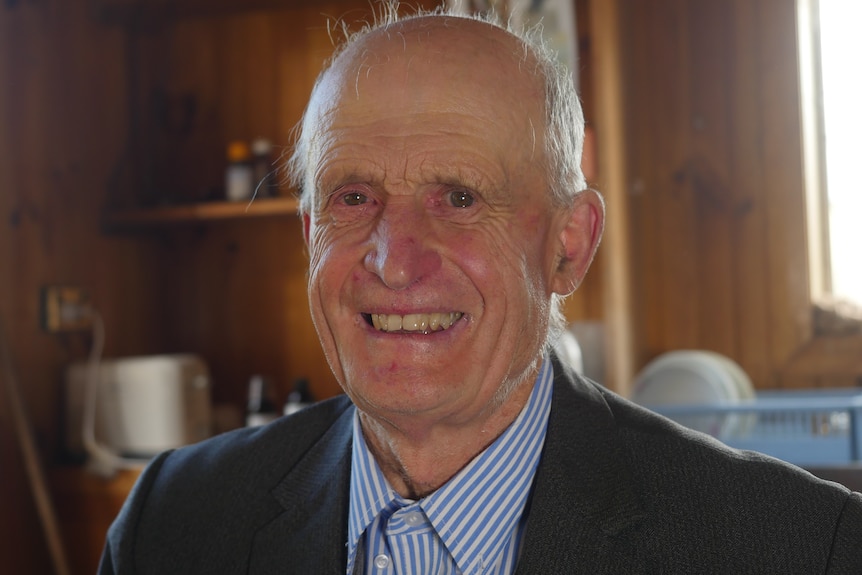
(419, 459)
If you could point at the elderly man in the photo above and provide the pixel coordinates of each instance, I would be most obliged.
(445, 215)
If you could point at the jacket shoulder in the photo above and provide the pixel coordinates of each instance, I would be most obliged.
(217, 494)
(673, 500)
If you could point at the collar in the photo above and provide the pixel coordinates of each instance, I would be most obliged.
(490, 492)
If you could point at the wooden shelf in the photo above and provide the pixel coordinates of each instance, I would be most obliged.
(202, 212)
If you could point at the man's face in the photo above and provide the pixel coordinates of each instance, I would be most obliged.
(433, 243)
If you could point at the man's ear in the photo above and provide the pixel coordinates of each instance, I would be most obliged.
(579, 240)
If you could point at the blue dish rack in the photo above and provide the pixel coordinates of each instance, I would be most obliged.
(812, 427)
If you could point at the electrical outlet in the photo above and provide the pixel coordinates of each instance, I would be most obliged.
(65, 308)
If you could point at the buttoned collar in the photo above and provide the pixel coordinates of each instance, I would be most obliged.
(477, 511)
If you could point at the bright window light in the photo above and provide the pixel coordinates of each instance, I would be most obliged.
(840, 56)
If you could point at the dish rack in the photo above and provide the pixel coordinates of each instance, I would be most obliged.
(811, 427)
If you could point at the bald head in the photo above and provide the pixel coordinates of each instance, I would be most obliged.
(453, 49)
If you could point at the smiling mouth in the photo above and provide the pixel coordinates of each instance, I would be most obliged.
(413, 323)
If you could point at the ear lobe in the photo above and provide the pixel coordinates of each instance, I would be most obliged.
(579, 241)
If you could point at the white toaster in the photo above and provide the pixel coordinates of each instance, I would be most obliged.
(144, 404)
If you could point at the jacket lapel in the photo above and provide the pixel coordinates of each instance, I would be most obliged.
(309, 536)
(584, 497)
(583, 502)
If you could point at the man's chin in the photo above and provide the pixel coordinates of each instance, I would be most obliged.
(406, 392)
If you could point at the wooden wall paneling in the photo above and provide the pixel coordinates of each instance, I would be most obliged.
(292, 62)
(63, 126)
(716, 155)
(650, 110)
(753, 332)
(708, 175)
(659, 109)
(91, 111)
(148, 153)
(790, 305)
(679, 269)
(21, 541)
(612, 166)
(18, 522)
(642, 195)
(36, 247)
(186, 102)
(249, 88)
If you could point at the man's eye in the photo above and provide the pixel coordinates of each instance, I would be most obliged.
(461, 199)
(354, 199)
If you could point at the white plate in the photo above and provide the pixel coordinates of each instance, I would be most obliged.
(695, 377)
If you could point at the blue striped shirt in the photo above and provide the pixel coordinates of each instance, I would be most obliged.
(471, 525)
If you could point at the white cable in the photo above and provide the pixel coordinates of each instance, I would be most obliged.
(101, 459)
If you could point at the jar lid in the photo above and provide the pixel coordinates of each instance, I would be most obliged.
(238, 151)
(261, 147)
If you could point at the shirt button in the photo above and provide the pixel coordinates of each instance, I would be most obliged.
(414, 519)
(381, 561)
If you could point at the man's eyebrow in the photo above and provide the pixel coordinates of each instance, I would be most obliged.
(470, 176)
(330, 174)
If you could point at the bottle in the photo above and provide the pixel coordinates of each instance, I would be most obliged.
(299, 398)
(239, 174)
(261, 407)
(263, 172)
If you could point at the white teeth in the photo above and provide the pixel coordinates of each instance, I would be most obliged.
(415, 322)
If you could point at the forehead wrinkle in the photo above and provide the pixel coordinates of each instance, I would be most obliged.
(441, 170)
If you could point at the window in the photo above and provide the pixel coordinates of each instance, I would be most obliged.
(830, 52)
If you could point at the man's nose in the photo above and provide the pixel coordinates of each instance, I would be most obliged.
(402, 246)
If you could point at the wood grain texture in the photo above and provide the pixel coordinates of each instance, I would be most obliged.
(718, 204)
(63, 114)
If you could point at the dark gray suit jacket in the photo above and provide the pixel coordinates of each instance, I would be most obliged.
(618, 490)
